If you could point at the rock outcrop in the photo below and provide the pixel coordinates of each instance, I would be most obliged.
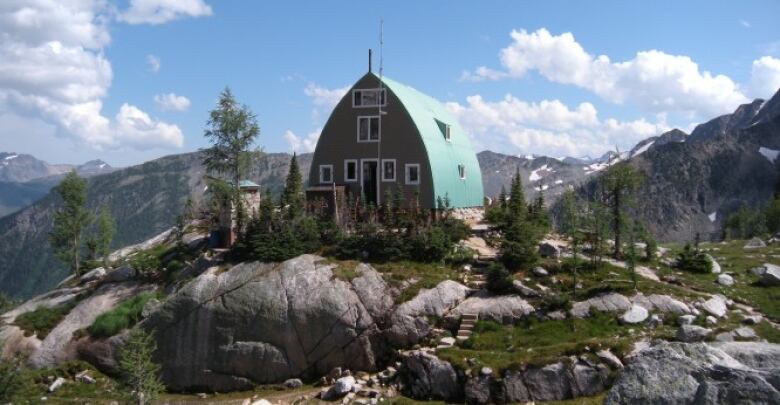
(425, 376)
(409, 324)
(504, 309)
(683, 373)
(263, 323)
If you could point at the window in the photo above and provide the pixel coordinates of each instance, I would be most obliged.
(326, 173)
(368, 97)
(462, 171)
(412, 173)
(350, 170)
(388, 169)
(445, 130)
(368, 129)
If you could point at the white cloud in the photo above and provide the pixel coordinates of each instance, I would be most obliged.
(745, 23)
(653, 80)
(134, 127)
(324, 99)
(765, 77)
(154, 63)
(52, 67)
(302, 144)
(172, 102)
(161, 11)
(548, 127)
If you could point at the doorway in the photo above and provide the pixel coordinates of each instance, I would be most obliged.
(369, 180)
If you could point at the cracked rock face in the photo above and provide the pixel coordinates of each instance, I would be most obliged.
(263, 323)
(696, 373)
(409, 323)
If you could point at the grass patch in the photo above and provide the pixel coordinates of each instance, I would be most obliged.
(737, 261)
(595, 400)
(424, 275)
(537, 343)
(346, 270)
(121, 317)
(766, 331)
(42, 320)
(35, 385)
(415, 275)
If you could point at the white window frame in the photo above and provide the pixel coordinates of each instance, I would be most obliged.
(382, 100)
(462, 171)
(370, 117)
(407, 168)
(322, 180)
(346, 172)
(395, 170)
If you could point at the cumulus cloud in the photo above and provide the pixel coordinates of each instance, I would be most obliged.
(765, 77)
(323, 99)
(134, 127)
(172, 102)
(154, 63)
(52, 67)
(548, 127)
(653, 80)
(161, 11)
(302, 144)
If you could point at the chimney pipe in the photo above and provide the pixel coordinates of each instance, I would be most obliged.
(369, 60)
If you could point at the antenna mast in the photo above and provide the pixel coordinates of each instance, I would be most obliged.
(381, 99)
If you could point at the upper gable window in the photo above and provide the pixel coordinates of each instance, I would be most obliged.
(446, 130)
(368, 97)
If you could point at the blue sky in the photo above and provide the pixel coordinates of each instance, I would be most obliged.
(76, 81)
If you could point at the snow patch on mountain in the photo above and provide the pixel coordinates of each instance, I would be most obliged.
(770, 154)
(713, 217)
(643, 149)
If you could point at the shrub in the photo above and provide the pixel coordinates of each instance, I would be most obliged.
(139, 371)
(519, 249)
(42, 320)
(555, 302)
(10, 375)
(146, 264)
(123, 316)
(693, 260)
(431, 245)
(651, 247)
(499, 281)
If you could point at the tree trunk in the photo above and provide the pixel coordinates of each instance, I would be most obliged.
(617, 223)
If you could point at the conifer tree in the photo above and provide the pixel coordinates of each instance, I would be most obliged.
(104, 234)
(517, 205)
(70, 221)
(619, 182)
(292, 195)
(139, 370)
(232, 129)
(570, 224)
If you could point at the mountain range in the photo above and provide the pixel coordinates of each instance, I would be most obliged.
(24, 179)
(691, 184)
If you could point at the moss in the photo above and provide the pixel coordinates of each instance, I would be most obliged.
(121, 317)
(42, 320)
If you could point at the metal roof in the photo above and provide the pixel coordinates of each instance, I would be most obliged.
(444, 156)
(247, 184)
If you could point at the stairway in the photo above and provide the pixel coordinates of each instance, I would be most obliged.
(467, 322)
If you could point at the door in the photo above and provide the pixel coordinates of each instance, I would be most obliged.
(369, 181)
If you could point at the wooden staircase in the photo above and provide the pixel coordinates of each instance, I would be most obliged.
(467, 322)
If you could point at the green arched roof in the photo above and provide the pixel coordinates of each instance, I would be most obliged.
(443, 156)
